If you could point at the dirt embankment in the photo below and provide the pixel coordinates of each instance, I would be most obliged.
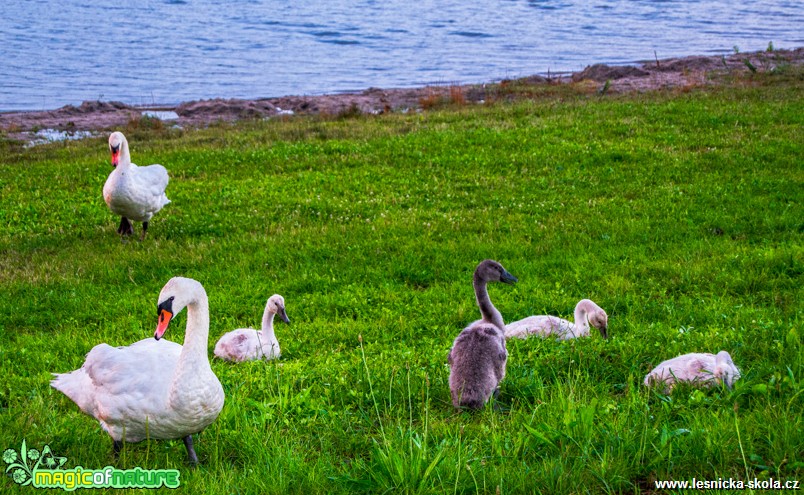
(646, 76)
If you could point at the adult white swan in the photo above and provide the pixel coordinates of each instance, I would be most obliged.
(478, 355)
(246, 344)
(153, 388)
(135, 193)
(586, 313)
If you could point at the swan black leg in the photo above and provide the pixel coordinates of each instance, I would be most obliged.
(188, 442)
(144, 230)
(125, 227)
(116, 446)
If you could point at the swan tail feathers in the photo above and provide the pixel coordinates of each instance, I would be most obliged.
(77, 386)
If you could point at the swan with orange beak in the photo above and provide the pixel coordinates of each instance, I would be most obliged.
(132, 192)
(117, 386)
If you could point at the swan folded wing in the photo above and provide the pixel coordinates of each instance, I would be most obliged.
(140, 362)
(541, 325)
(565, 330)
(702, 370)
(152, 181)
(114, 382)
(235, 346)
(139, 194)
(520, 329)
(477, 360)
(500, 361)
(694, 367)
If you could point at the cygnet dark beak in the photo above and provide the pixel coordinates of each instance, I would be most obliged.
(283, 315)
(508, 278)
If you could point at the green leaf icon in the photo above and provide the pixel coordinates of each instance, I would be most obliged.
(51, 461)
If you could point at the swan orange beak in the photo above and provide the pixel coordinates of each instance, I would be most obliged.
(161, 325)
(115, 154)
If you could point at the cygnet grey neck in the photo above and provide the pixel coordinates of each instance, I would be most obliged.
(487, 310)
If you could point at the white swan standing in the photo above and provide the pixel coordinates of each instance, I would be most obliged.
(135, 193)
(586, 313)
(703, 369)
(478, 355)
(153, 388)
(246, 344)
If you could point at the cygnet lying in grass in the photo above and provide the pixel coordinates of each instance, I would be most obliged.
(697, 368)
(247, 344)
(586, 313)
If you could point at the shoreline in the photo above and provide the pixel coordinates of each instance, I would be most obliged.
(659, 74)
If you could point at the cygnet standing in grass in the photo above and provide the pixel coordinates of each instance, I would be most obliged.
(247, 344)
(478, 355)
(697, 368)
(586, 313)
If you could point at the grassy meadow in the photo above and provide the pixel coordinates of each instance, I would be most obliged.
(679, 212)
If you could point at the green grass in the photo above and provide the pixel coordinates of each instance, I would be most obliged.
(679, 213)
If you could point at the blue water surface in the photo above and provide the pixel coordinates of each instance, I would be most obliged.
(168, 51)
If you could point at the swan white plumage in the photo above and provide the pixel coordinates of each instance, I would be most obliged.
(703, 369)
(586, 313)
(135, 193)
(246, 344)
(478, 355)
(153, 388)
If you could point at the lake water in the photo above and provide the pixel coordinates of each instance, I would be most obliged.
(57, 52)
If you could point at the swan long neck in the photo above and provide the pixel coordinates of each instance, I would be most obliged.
(124, 160)
(193, 357)
(581, 324)
(487, 309)
(268, 323)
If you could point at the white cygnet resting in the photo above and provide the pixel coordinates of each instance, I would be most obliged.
(246, 344)
(697, 368)
(586, 313)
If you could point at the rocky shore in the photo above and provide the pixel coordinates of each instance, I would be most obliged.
(646, 76)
